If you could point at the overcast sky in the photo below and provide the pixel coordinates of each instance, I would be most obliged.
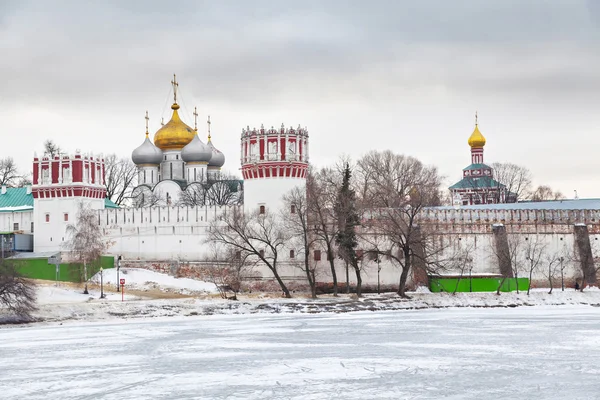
(401, 75)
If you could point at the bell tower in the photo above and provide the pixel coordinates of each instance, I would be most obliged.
(274, 161)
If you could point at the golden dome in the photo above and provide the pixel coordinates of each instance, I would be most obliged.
(174, 135)
(476, 139)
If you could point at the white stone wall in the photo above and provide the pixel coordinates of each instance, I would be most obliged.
(23, 218)
(51, 235)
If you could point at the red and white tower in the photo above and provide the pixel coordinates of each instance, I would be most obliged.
(274, 161)
(59, 185)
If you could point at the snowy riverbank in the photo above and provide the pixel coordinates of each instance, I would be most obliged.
(149, 294)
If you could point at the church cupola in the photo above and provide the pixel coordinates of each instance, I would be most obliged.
(196, 156)
(217, 159)
(476, 141)
(147, 157)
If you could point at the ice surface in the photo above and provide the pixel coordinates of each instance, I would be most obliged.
(526, 353)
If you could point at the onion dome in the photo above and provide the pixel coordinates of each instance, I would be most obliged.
(476, 139)
(218, 158)
(196, 151)
(147, 153)
(175, 134)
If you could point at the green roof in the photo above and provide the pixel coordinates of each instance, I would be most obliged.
(108, 203)
(477, 183)
(477, 166)
(16, 199)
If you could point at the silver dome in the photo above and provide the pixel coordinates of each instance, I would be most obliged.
(196, 151)
(217, 159)
(147, 153)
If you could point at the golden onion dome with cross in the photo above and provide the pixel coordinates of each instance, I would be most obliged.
(175, 134)
(476, 139)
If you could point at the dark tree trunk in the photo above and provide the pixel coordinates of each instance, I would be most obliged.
(310, 275)
(358, 280)
(347, 279)
(284, 288)
(404, 274)
(333, 273)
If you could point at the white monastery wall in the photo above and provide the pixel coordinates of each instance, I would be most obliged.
(22, 218)
(52, 216)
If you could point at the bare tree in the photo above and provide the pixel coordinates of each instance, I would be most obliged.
(516, 178)
(120, 178)
(223, 192)
(258, 237)
(508, 253)
(227, 271)
(462, 261)
(533, 253)
(555, 265)
(86, 241)
(17, 293)
(545, 193)
(9, 174)
(51, 149)
(295, 216)
(397, 189)
(194, 195)
(321, 192)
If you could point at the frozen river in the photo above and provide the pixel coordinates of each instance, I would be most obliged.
(524, 353)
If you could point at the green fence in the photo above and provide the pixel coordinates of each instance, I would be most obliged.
(38, 268)
(476, 284)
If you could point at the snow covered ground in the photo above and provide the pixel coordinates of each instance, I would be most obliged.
(146, 292)
(499, 353)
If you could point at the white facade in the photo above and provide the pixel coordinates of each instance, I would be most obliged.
(17, 221)
(52, 216)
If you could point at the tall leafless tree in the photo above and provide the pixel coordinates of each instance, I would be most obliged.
(17, 293)
(9, 174)
(545, 193)
(321, 192)
(227, 270)
(397, 189)
(295, 217)
(534, 251)
(258, 237)
(51, 149)
(120, 178)
(86, 242)
(516, 178)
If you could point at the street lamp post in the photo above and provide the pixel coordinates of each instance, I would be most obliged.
(118, 268)
(102, 283)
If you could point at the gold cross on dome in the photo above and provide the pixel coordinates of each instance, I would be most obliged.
(147, 122)
(208, 122)
(195, 119)
(175, 86)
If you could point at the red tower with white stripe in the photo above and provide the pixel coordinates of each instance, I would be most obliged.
(274, 161)
(60, 184)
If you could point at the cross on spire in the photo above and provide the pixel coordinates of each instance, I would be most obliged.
(147, 122)
(175, 86)
(195, 119)
(475, 118)
(208, 122)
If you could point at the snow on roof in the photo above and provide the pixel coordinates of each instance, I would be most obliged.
(16, 199)
(568, 204)
(16, 208)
